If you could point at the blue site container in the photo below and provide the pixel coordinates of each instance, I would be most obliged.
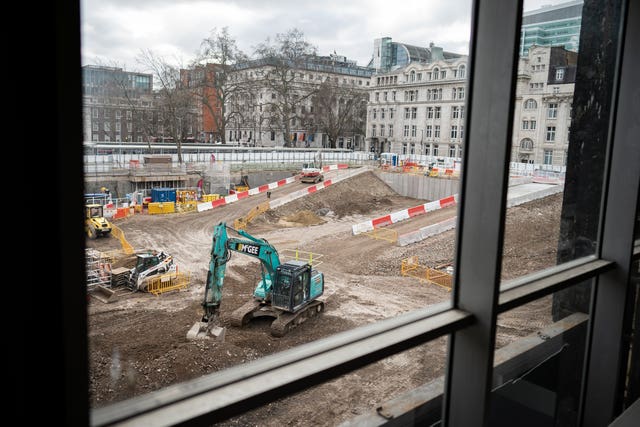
(163, 195)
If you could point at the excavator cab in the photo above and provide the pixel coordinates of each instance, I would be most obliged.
(295, 286)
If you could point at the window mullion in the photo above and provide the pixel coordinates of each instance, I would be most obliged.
(482, 209)
(613, 306)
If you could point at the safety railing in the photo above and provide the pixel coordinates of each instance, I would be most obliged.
(383, 233)
(119, 234)
(242, 222)
(168, 282)
(410, 267)
(312, 258)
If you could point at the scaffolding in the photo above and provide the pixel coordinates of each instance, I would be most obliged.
(98, 267)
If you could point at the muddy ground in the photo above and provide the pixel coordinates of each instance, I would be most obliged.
(138, 343)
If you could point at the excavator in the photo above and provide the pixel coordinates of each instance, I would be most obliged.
(288, 292)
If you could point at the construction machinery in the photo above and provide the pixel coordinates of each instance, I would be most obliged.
(288, 292)
(149, 264)
(96, 225)
(312, 172)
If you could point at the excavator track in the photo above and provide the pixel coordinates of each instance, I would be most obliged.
(288, 321)
(241, 316)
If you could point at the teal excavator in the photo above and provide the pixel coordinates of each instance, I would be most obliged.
(287, 292)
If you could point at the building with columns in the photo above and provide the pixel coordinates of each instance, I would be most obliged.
(418, 109)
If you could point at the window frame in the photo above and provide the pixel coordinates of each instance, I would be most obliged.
(477, 297)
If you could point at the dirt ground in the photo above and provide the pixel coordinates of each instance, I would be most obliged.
(138, 343)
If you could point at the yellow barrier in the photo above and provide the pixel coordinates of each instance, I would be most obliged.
(168, 282)
(294, 254)
(119, 234)
(383, 233)
(210, 197)
(161, 207)
(410, 267)
(241, 223)
(188, 206)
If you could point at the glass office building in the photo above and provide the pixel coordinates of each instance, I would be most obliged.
(557, 25)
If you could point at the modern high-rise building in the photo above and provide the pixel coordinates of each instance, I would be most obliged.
(388, 54)
(557, 25)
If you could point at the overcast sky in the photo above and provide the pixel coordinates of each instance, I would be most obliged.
(115, 31)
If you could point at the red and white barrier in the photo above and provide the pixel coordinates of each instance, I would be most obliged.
(404, 214)
(244, 194)
(266, 187)
(334, 167)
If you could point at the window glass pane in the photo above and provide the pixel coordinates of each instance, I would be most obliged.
(557, 175)
(538, 361)
(384, 248)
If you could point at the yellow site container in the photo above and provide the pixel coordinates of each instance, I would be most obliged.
(162, 207)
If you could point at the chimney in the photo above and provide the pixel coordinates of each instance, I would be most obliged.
(436, 52)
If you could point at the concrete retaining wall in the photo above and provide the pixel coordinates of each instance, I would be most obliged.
(419, 186)
(428, 231)
(553, 189)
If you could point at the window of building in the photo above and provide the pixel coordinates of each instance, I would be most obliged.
(413, 131)
(412, 76)
(556, 90)
(407, 113)
(429, 112)
(455, 112)
(384, 96)
(552, 111)
(443, 74)
(377, 96)
(429, 131)
(273, 135)
(391, 110)
(462, 71)
(548, 157)
(404, 148)
(532, 124)
(419, 77)
(129, 115)
(118, 114)
(525, 124)
(107, 126)
(530, 104)
(393, 95)
(551, 134)
(374, 113)
(382, 113)
(129, 127)
(118, 127)
(460, 93)
(390, 130)
(437, 112)
(526, 144)
(373, 130)
(381, 130)
(559, 73)
(427, 150)
(436, 73)
(435, 150)
(454, 132)
(406, 131)
(452, 151)
(414, 112)
(436, 132)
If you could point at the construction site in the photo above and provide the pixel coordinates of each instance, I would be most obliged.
(383, 241)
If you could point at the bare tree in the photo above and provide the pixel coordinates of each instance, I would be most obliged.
(175, 101)
(283, 57)
(339, 111)
(214, 88)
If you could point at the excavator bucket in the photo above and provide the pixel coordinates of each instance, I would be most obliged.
(205, 331)
(103, 294)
